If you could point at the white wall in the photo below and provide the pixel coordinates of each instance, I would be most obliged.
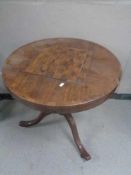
(106, 22)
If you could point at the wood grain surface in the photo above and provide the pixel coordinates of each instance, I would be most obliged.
(62, 74)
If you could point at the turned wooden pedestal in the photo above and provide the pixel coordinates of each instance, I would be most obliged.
(63, 76)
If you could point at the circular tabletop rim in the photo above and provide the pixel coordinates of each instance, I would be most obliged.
(73, 107)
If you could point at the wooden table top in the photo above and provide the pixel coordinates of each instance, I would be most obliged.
(62, 74)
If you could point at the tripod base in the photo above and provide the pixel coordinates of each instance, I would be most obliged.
(84, 154)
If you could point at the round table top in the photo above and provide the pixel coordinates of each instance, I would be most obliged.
(62, 74)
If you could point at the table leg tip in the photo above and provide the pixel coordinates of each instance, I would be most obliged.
(24, 124)
(86, 157)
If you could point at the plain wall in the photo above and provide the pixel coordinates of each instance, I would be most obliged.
(106, 22)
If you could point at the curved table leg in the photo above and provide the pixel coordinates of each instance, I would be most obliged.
(34, 121)
(84, 154)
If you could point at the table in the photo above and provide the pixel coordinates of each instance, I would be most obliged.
(61, 75)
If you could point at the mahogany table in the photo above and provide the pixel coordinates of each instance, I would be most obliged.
(61, 75)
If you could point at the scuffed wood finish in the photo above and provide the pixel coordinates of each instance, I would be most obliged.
(61, 74)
